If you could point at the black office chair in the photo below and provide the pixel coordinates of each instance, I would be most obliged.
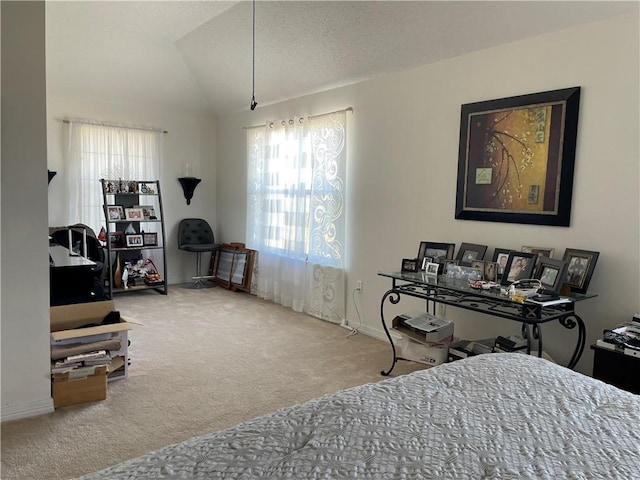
(195, 235)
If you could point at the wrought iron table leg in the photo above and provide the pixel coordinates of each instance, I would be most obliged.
(568, 322)
(394, 297)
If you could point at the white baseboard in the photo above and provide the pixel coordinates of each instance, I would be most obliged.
(24, 410)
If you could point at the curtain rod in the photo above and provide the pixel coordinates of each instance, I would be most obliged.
(107, 124)
(348, 109)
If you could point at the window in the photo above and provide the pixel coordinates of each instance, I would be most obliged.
(98, 151)
(296, 189)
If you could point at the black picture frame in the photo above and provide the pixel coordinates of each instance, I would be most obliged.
(539, 251)
(468, 252)
(516, 158)
(511, 275)
(435, 250)
(500, 254)
(410, 265)
(578, 278)
(150, 239)
(552, 273)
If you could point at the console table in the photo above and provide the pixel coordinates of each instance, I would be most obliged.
(458, 293)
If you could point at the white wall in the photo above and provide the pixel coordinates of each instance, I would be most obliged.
(26, 384)
(403, 143)
(190, 139)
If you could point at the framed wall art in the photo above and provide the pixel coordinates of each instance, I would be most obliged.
(580, 266)
(516, 158)
(519, 267)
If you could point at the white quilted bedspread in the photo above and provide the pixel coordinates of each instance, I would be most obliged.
(505, 416)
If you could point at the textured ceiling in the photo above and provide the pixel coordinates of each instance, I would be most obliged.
(196, 56)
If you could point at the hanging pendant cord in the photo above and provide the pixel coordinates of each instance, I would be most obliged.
(253, 79)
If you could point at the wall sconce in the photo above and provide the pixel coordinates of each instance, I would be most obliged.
(189, 184)
(50, 174)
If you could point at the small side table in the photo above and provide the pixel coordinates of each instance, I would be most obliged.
(617, 368)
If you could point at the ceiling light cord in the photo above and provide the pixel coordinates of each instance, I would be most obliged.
(254, 104)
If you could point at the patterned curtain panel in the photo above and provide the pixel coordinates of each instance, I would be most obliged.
(295, 213)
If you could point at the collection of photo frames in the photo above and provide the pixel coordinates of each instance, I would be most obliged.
(572, 272)
(132, 240)
(118, 213)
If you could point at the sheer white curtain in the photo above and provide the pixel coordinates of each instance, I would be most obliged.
(96, 151)
(295, 213)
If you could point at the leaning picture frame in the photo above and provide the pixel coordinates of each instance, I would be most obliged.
(469, 252)
(539, 251)
(115, 213)
(519, 266)
(150, 239)
(134, 240)
(516, 158)
(438, 251)
(500, 256)
(552, 273)
(134, 214)
(580, 266)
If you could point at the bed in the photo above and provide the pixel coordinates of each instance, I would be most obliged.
(508, 416)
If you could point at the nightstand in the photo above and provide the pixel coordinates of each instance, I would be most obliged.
(616, 368)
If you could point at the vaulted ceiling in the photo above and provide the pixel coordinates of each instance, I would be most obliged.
(196, 56)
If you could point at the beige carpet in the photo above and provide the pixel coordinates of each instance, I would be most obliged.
(202, 361)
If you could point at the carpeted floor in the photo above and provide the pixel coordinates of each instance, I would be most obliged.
(201, 361)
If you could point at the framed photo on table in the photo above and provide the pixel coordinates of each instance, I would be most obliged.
(539, 251)
(519, 266)
(439, 252)
(469, 252)
(516, 158)
(580, 266)
(552, 273)
(500, 256)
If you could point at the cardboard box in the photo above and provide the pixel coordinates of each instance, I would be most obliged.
(427, 353)
(65, 323)
(72, 388)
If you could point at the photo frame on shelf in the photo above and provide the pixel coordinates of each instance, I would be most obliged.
(115, 213)
(552, 273)
(516, 158)
(580, 266)
(500, 256)
(150, 239)
(469, 252)
(519, 266)
(438, 251)
(134, 214)
(540, 251)
(148, 211)
(135, 240)
(461, 272)
(116, 239)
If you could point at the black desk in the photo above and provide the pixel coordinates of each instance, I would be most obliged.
(459, 294)
(71, 277)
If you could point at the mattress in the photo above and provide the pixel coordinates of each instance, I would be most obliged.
(507, 416)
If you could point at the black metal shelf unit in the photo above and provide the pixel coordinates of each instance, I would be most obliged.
(135, 236)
